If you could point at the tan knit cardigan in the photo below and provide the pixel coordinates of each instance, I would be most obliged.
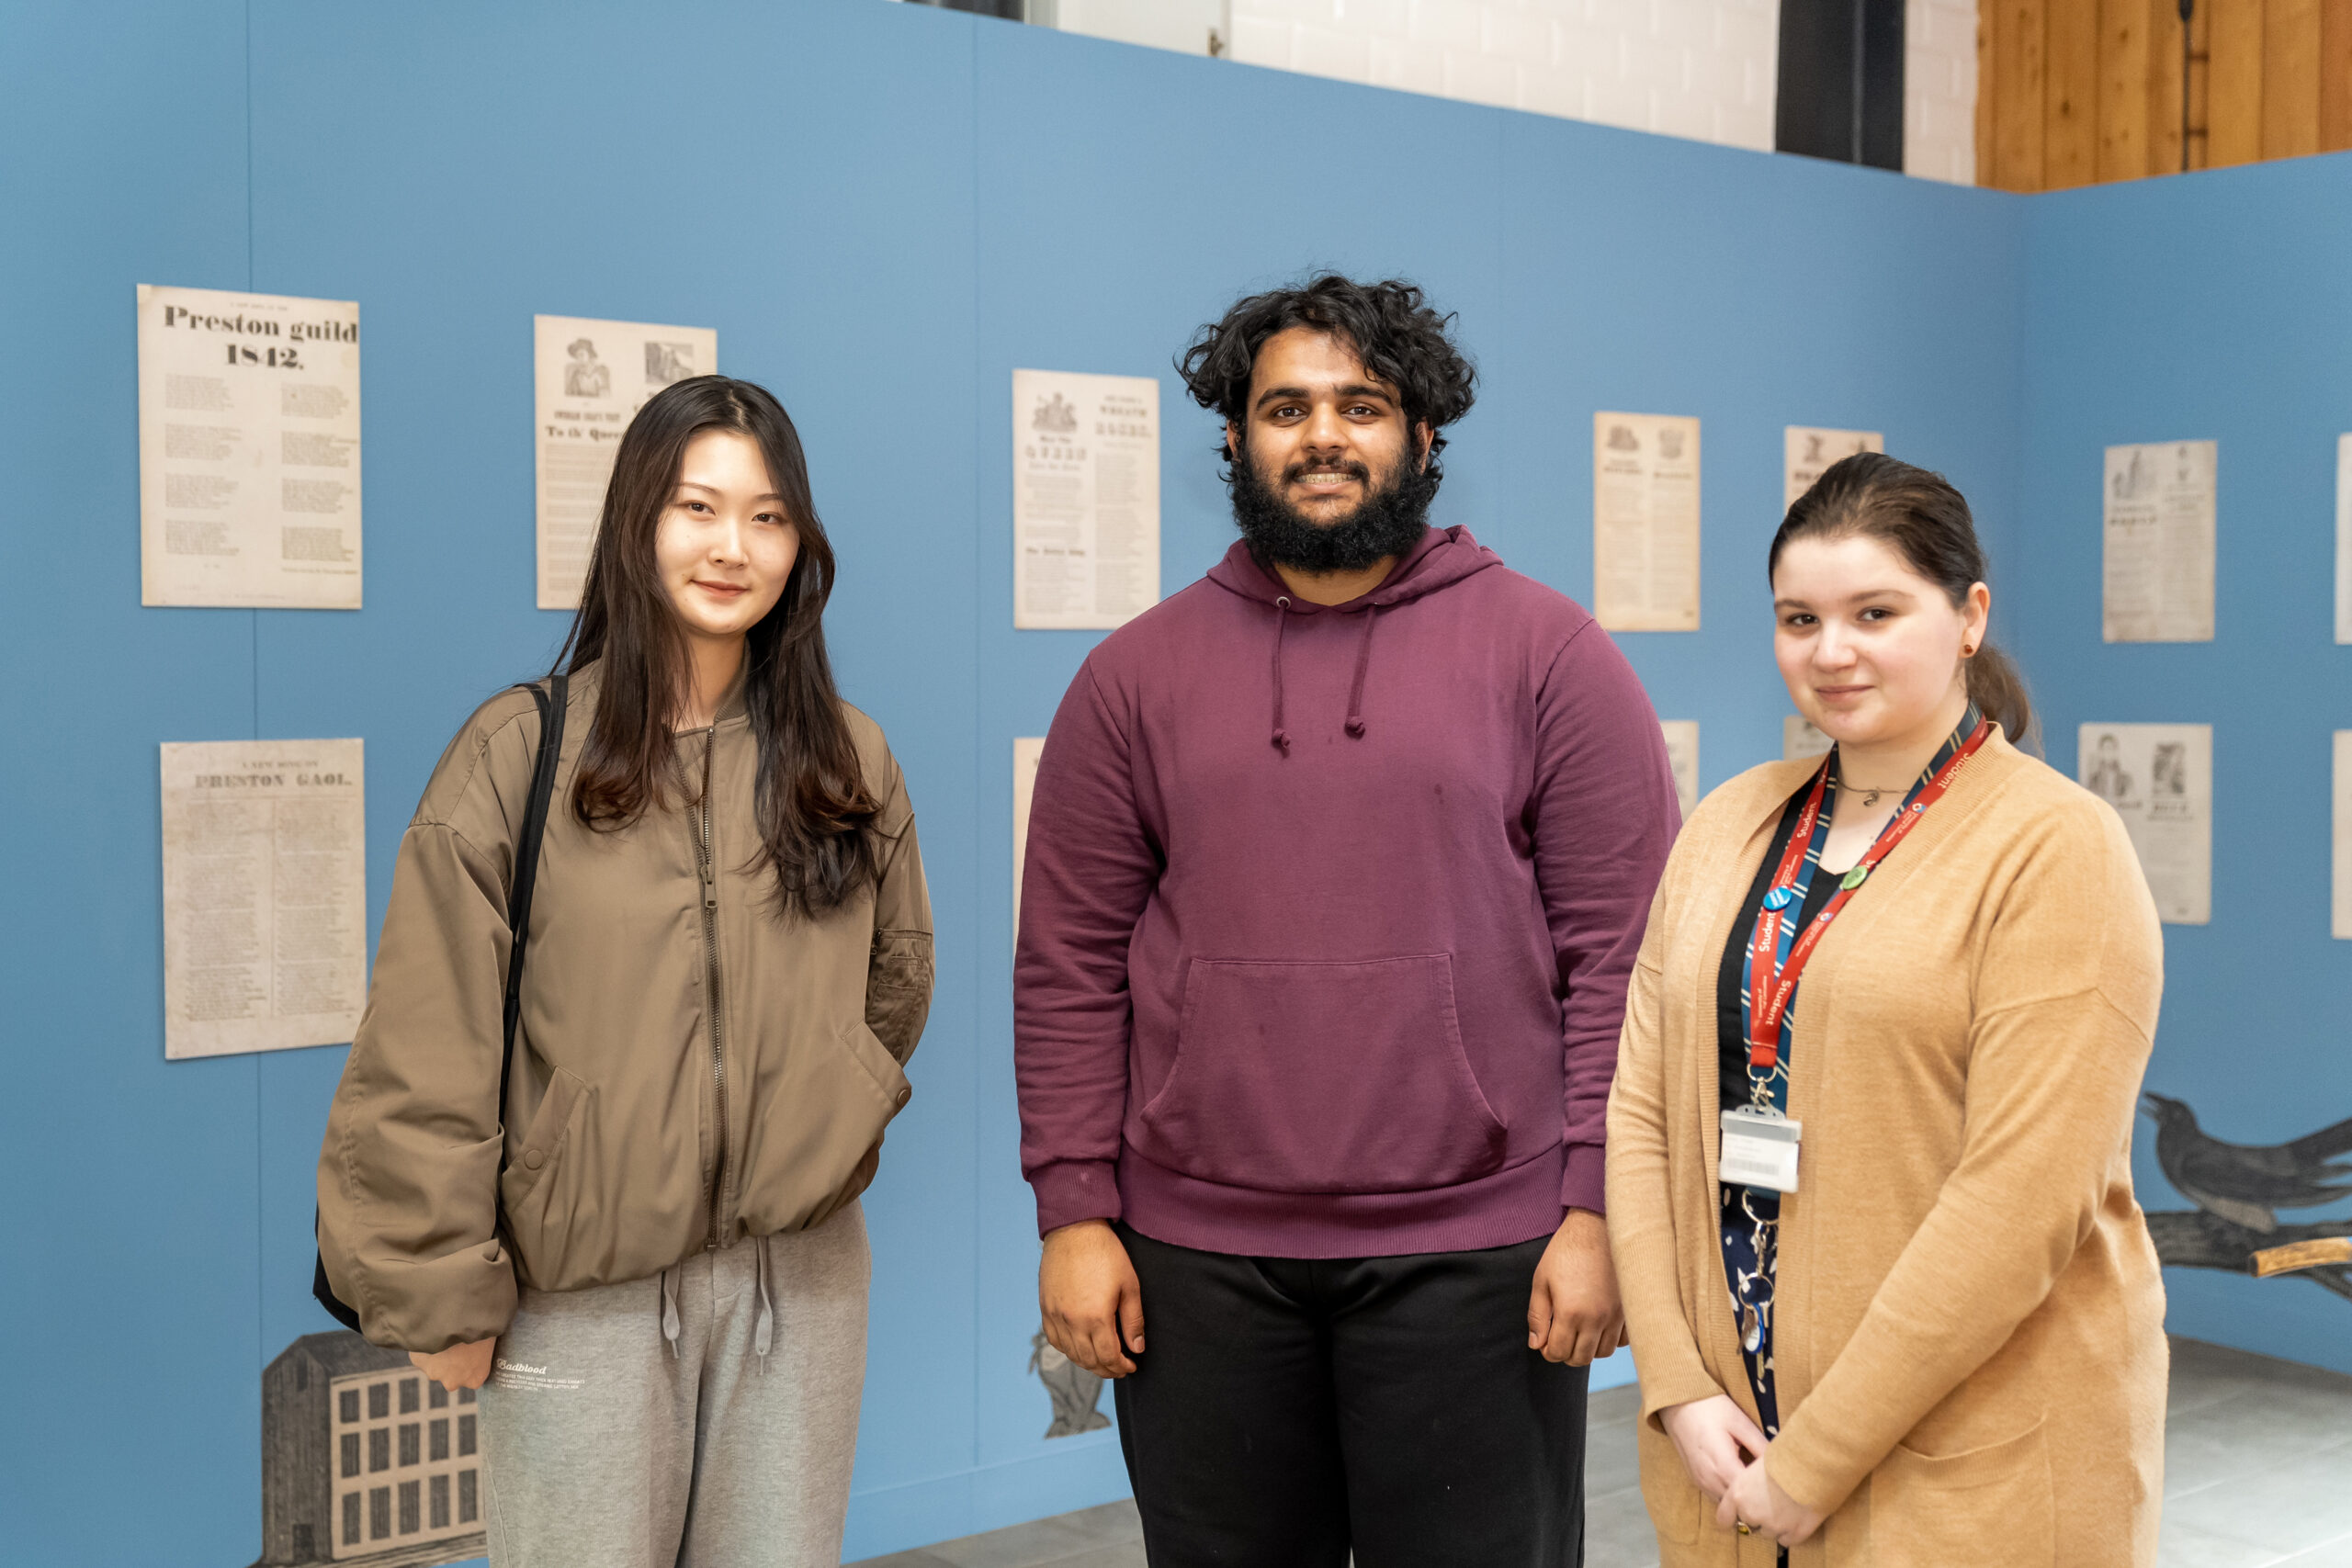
(1970, 1333)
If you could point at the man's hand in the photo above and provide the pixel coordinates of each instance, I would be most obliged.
(1574, 1314)
(1716, 1441)
(1757, 1499)
(461, 1365)
(1092, 1304)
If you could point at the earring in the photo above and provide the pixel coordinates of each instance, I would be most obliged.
(1968, 650)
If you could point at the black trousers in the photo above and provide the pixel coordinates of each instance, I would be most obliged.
(1286, 1411)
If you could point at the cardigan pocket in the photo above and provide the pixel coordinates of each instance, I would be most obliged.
(1994, 1502)
(1677, 1508)
(1344, 1077)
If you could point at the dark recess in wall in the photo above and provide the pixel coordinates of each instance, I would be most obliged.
(1842, 80)
(1009, 9)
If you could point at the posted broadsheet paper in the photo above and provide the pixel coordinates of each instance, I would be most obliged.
(1682, 756)
(1810, 450)
(2344, 538)
(1800, 738)
(248, 450)
(590, 378)
(2159, 778)
(2340, 899)
(1085, 498)
(1026, 749)
(1646, 521)
(265, 894)
(2159, 542)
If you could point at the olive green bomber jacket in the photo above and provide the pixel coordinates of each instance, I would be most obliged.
(691, 1069)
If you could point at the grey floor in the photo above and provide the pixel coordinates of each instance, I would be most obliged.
(2257, 1472)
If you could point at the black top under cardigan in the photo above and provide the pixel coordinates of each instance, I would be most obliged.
(1730, 1033)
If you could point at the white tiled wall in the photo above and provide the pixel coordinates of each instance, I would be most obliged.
(1939, 89)
(1696, 68)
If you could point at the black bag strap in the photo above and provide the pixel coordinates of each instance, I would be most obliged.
(551, 703)
(550, 700)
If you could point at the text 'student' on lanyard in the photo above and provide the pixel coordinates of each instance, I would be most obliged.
(1778, 982)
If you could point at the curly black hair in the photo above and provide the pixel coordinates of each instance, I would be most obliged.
(1401, 338)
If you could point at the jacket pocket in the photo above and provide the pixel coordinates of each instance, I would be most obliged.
(1323, 1078)
(898, 989)
(876, 1060)
(537, 1189)
(1997, 1501)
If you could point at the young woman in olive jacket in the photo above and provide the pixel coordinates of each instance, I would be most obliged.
(657, 1264)
(1945, 1345)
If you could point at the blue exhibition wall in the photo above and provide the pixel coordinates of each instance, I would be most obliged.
(2214, 308)
(883, 210)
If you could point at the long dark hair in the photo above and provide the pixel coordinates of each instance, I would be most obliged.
(1921, 515)
(816, 815)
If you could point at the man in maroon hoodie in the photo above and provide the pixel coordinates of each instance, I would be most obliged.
(1338, 863)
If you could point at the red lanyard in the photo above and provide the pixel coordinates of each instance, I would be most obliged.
(1778, 985)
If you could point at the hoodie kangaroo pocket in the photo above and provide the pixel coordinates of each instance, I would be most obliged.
(1323, 1078)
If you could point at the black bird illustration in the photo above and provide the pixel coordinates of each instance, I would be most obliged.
(2191, 1238)
(2246, 1183)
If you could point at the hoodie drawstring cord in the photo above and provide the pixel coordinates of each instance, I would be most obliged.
(1355, 691)
(1363, 664)
(669, 1309)
(1282, 618)
(764, 1332)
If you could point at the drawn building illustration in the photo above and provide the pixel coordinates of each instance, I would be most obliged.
(365, 1460)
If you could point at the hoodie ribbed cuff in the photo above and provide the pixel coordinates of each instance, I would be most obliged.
(1583, 1184)
(1071, 1190)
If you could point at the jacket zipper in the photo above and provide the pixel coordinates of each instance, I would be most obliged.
(705, 863)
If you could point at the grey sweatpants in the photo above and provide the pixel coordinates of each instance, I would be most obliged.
(638, 1425)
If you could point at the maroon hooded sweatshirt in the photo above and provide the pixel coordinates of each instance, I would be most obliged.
(1328, 912)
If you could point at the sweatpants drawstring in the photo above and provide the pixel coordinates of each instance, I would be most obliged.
(765, 1331)
(669, 1309)
(1282, 618)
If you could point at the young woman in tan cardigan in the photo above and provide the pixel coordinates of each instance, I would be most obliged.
(1904, 995)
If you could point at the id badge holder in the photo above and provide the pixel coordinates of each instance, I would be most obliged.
(1760, 1149)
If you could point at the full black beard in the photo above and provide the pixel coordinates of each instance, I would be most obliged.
(1388, 521)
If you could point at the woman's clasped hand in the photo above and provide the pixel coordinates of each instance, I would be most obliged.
(1724, 1451)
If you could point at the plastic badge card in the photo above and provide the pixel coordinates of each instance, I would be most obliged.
(1760, 1149)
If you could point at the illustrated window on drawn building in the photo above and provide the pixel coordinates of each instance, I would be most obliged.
(361, 1456)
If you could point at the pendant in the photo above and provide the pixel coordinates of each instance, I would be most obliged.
(1869, 797)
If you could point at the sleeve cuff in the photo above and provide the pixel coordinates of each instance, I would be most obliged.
(1071, 1190)
(1582, 1183)
(1820, 1481)
(1684, 1382)
(457, 1299)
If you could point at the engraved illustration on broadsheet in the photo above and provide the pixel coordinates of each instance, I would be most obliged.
(1646, 521)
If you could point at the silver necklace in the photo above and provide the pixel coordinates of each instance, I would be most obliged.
(1869, 796)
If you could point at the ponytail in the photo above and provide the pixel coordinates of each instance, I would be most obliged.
(1997, 686)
